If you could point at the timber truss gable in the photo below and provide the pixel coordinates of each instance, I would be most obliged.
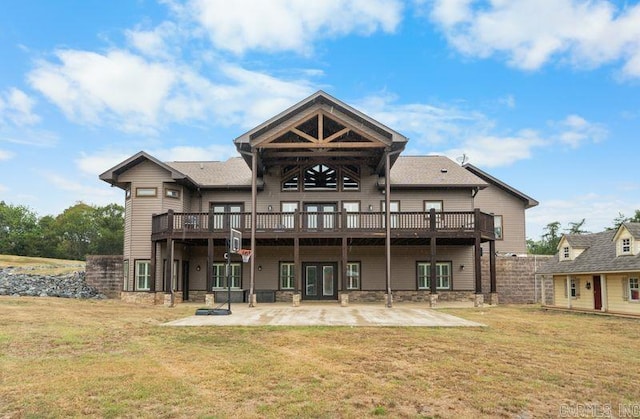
(320, 129)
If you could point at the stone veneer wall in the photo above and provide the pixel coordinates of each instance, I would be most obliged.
(105, 273)
(516, 280)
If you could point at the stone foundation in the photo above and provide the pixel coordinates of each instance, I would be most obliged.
(418, 296)
(209, 300)
(433, 300)
(344, 299)
(478, 300)
(150, 298)
(284, 296)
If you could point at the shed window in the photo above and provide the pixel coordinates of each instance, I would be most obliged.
(634, 289)
(626, 245)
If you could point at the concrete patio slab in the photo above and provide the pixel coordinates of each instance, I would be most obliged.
(328, 315)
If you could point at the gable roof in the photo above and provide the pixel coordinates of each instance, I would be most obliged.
(232, 173)
(579, 241)
(528, 201)
(436, 171)
(376, 136)
(111, 176)
(599, 256)
(633, 229)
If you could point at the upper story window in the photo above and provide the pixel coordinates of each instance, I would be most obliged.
(626, 245)
(321, 177)
(172, 193)
(634, 289)
(146, 192)
(497, 226)
(565, 252)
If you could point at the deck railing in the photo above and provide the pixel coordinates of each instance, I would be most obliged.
(303, 221)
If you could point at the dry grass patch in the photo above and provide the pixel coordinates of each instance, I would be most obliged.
(41, 266)
(109, 359)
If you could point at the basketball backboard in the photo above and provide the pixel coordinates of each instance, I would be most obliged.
(235, 242)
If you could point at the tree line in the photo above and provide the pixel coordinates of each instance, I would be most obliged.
(78, 231)
(548, 243)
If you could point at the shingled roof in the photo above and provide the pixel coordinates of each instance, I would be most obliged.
(599, 256)
(216, 174)
(439, 171)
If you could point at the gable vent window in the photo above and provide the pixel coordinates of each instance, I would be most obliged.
(565, 252)
(320, 178)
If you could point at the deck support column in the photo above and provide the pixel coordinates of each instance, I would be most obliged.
(297, 295)
(493, 296)
(152, 266)
(433, 272)
(254, 198)
(344, 260)
(168, 274)
(477, 252)
(387, 217)
(209, 270)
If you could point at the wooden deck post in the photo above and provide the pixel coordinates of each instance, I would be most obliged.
(345, 259)
(209, 265)
(492, 266)
(152, 265)
(254, 199)
(433, 261)
(387, 216)
(297, 265)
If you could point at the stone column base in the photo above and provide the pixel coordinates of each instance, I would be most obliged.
(209, 300)
(388, 300)
(344, 300)
(296, 300)
(493, 298)
(433, 300)
(478, 300)
(168, 299)
(253, 299)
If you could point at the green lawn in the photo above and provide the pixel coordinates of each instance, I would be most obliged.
(63, 357)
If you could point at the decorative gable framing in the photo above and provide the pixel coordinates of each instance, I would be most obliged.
(321, 129)
(571, 246)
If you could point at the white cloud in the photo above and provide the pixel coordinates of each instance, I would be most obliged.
(426, 124)
(137, 95)
(157, 42)
(290, 25)
(99, 163)
(3, 188)
(16, 107)
(5, 155)
(531, 33)
(495, 151)
(188, 153)
(90, 87)
(574, 130)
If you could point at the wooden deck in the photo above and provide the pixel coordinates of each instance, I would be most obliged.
(196, 225)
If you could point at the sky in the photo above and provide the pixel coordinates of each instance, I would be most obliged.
(542, 94)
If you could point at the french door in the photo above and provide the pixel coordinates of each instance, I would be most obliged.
(320, 280)
(320, 216)
(225, 216)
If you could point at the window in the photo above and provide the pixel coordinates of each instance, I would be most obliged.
(143, 275)
(443, 275)
(394, 207)
(288, 220)
(497, 226)
(320, 178)
(565, 252)
(634, 289)
(353, 275)
(220, 277)
(353, 220)
(626, 245)
(290, 175)
(575, 289)
(127, 193)
(146, 192)
(125, 274)
(225, 216)
(436, 205)
(172, 193)
(287, 275)
(350, 176)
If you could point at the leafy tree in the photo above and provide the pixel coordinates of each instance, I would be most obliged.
(110, 228)
(19, 229)
(576, 227)
(548, 243)
(622, 219)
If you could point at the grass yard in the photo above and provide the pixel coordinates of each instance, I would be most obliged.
(63, 357)
(40, 266)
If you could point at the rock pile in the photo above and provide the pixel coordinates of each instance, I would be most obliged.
(18, 283)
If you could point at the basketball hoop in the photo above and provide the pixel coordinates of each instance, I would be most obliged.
(246, 254)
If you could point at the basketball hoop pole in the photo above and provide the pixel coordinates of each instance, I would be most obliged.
(229, 275)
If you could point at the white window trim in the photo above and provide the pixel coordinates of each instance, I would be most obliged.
(146, 192)
(637, 288)
(439, 286)
(146, 276)
(627, 246)
(219, 282)
(349, 278)
(289, 277)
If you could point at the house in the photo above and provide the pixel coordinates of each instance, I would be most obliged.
(598, 272)
(329, 209)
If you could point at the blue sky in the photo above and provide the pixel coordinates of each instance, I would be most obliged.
(543, 94)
